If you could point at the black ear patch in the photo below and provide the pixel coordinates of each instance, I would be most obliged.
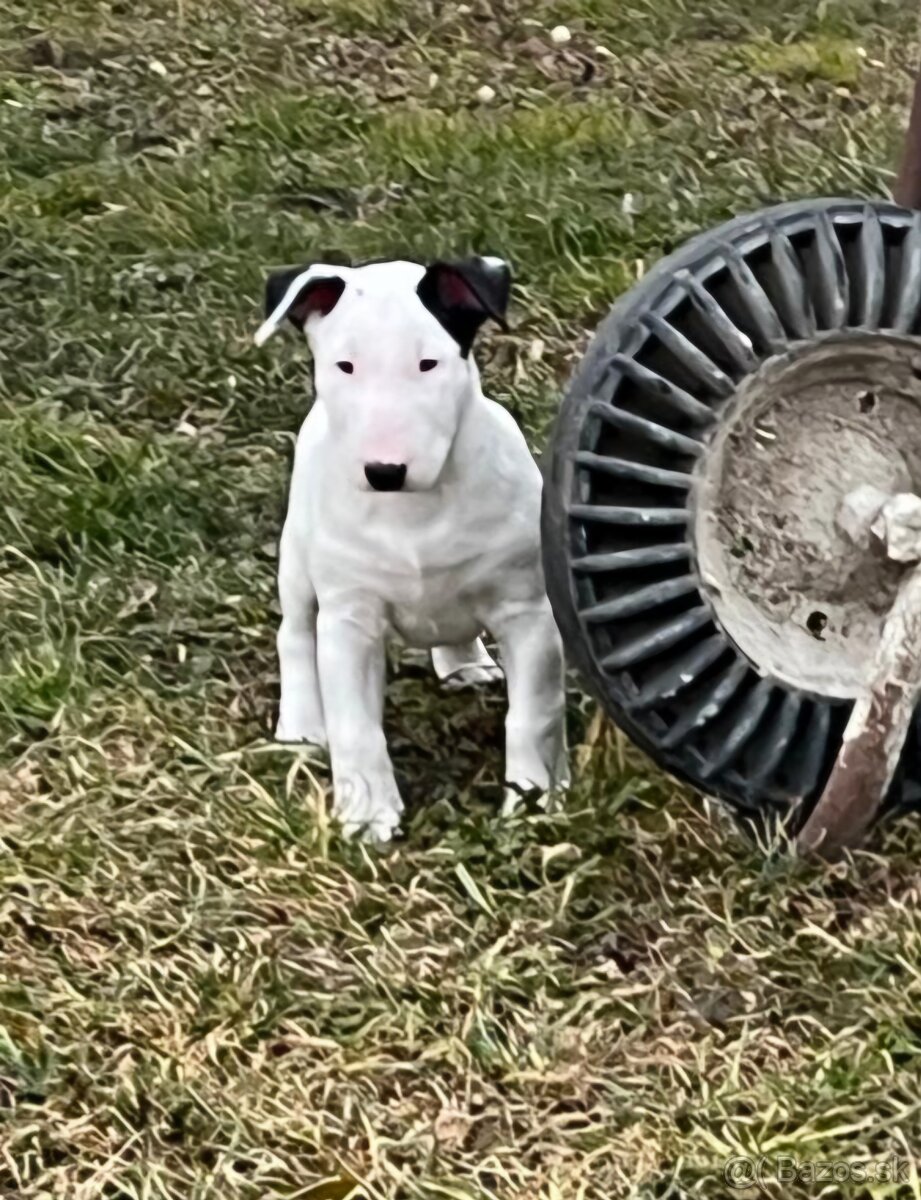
(318, 295)
(462, 295)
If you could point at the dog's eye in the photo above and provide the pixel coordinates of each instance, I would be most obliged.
(346, 366)
(428, 364)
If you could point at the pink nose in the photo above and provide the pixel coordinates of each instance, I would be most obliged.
(385, 477)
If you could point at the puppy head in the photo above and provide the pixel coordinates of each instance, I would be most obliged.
(391, 346)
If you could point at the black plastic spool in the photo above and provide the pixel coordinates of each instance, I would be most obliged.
(619, 552)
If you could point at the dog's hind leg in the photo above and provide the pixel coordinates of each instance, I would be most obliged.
(467, 665)
(300, 715)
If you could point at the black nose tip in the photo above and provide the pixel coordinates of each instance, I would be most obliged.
(386, 477)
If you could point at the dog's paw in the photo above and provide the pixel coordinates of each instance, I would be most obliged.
(465, 666)
(472, 677)
(519, 796)
(289, 733)
(367, 804)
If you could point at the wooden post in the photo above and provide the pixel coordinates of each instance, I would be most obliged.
(882, 715)
(875, 735)
(907, 189)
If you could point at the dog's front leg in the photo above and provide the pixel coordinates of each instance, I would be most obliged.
(300, 713)
(352, 665)
(535, 726)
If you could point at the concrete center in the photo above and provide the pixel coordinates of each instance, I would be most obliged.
(796, 596)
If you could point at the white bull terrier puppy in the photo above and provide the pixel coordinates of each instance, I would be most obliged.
(414, 510)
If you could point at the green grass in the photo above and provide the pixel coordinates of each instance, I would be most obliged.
(204, 992)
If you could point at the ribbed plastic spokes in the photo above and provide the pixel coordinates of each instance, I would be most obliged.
(630, 447)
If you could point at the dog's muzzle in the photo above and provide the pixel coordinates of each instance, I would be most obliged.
(386, 477)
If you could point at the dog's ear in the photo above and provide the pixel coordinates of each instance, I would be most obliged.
(297, 293)
(462, 295)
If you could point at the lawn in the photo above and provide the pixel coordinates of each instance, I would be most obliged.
(205, 992)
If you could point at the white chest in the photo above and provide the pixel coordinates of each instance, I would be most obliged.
(438, 580)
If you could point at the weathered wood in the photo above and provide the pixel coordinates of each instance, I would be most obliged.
(907, 189)
(875, 734)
